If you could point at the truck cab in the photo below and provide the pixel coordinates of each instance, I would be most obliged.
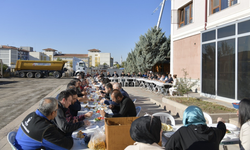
(79, 66)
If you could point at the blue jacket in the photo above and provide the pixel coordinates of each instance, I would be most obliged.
(37, 131)
(124, 93)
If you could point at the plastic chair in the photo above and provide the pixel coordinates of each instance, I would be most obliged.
(138, 110)
(208, 117)
(164, 117)
(11, 139)
(134, 100)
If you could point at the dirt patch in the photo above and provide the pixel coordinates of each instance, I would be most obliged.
(205, 106)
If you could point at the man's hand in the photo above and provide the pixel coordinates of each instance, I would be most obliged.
(102, 112)
(88, 114)
(111, 106)
(75, 120)
(86, 122)
(102, 101)
(220, 119)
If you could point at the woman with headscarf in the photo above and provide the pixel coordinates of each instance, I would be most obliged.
(146, 131)
(195, 134)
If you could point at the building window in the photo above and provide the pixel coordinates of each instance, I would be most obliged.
(186, 14)
(218, 5)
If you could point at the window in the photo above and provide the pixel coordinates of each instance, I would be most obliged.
(218, 5)
(226, 68)
(243, 67)
(208, 36)
(208, 68)
(186, 15)
(243, 27)
(226, 31)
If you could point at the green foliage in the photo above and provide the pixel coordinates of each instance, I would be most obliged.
(58, 59)
(153, 47)
(105, 64)
(118, 66)
(184, 85)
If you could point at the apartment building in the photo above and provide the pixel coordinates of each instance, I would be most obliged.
(97, 58)
(211, 40)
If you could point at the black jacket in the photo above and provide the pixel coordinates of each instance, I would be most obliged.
(61, 122)
(115, 75)
(127, 109)
(75, 108)
(197, 137)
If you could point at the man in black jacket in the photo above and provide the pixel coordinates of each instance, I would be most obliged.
(64, 101)
(127, 107)
(37, 131)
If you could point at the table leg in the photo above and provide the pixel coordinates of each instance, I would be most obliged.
(225, 147)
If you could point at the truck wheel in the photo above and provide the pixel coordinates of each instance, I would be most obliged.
(57, 74)
(30, 75)
(22, 74)
(38, 75)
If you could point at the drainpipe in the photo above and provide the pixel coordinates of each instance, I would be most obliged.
(205, 15)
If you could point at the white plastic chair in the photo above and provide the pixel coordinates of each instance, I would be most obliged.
(11, 139)
(138, 110)
(134, 100)
(208, 117)
(164, 117)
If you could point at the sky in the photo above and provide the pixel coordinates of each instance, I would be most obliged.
(75, 26)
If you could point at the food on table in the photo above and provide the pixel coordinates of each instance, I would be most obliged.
(166, 127)
(80, 134)
(87, 107)
(99, 118)
(227, 131)
(98, 111)
(97, 145)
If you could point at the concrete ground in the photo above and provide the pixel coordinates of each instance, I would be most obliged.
(21, 96)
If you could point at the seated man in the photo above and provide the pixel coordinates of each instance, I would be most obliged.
(118, 86)
(108, 75)
(145, 75)
(127, 107)
(139, 74)
(128, 75)
(170, 79)
(71, 113)
(37, 131)
(123, 74)
(76, 105)
(64, 100)
(115, 74)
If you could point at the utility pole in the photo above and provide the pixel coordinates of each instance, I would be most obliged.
(159, 20)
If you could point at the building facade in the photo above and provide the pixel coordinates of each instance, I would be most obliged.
(97, 58)
(9, 55)
(211, 40)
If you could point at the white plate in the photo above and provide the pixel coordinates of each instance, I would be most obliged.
(92, 127)
(231, 127)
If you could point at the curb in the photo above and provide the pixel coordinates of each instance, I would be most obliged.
(14, 125)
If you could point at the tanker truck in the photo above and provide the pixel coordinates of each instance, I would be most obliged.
(39, 69)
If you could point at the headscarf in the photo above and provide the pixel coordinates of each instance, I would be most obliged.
(193, 115)
(142, 131)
